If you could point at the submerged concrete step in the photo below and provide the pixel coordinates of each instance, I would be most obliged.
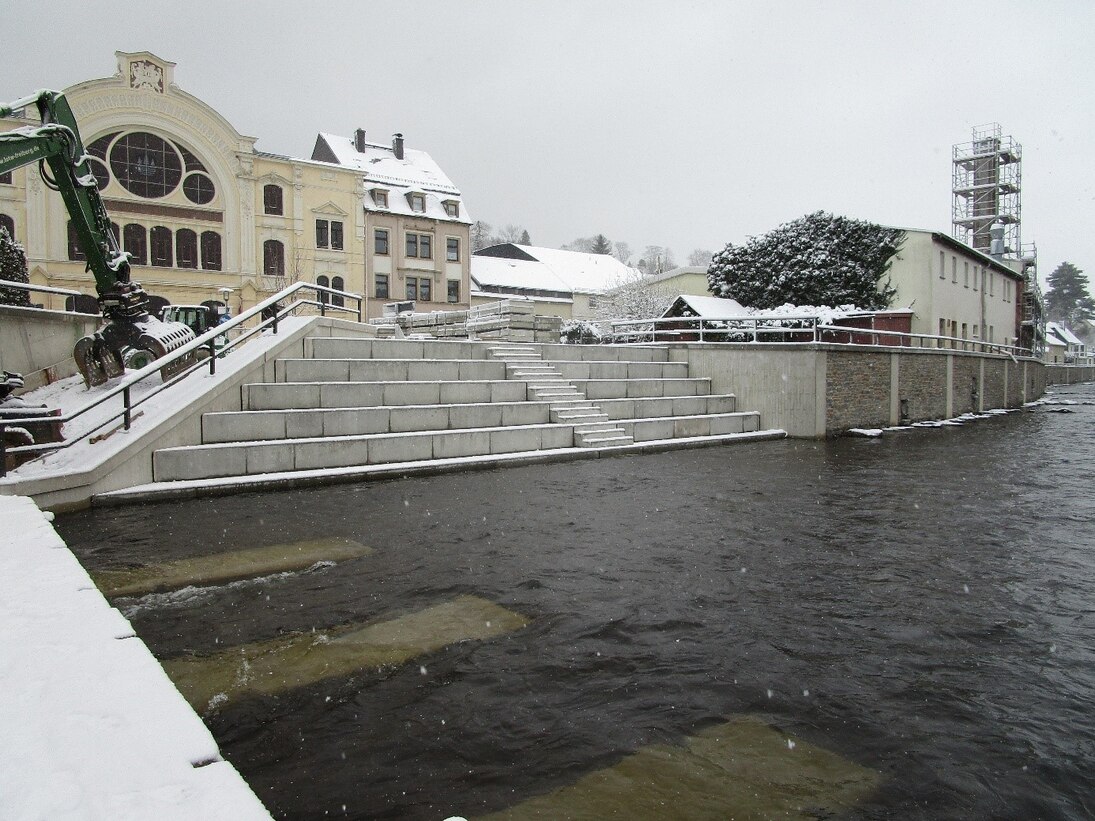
(214, 486)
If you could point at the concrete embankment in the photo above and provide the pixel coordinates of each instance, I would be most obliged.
(818, 390)
(93, 727)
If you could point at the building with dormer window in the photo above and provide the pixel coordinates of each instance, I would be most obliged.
(416, 226)
(203, 212)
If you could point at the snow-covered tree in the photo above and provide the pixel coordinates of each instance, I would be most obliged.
(634, 298)
(818, 259)
(525, 238)
(700, 258)
(1068, 300)
(480, 235)
(13, 268)
(622, 252)
(581, 244)
(656, 259)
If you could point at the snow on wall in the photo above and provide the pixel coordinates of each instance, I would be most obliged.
(93, 728)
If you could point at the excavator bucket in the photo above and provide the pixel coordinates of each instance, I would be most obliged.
(162, 340)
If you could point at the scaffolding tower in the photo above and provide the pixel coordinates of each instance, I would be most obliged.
(986, 177)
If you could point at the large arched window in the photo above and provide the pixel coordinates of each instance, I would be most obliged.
(324, 282)
(161, 246)
(186, 248)
(146, 165)
(135, 241)
(339, 285)
(8, 224)
(211, 251)
(272, 200)
(273, 258)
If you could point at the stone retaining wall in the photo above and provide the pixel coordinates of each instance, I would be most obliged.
(819, 390)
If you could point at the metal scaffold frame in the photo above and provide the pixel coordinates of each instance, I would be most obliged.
(986, 182)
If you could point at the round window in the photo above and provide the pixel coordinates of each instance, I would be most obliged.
(146, 165)
(199, 189)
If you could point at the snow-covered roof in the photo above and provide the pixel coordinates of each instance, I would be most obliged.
(500, 272)
(1063, 334)
(580, 272)
(673, 273)
(381, 169)
(707, 306)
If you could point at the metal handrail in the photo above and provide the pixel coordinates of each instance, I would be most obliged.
(761, 325)
(40, 289)
(206, 341)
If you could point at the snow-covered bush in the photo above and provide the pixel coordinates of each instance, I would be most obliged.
(818, 259)
(580, 332)
(13, 268)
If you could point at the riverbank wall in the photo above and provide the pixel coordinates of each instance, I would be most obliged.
(1069, 374)
(816, 391)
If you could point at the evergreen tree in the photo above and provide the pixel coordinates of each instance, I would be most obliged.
(818, 259)
(525, 238)
(13, 268)
(1068, 300)
(601, 245)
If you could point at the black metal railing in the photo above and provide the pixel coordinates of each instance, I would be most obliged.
(268, 313)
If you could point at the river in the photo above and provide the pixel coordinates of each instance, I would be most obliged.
(919, 606)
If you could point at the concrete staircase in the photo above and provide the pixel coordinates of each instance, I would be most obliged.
(353, 404)
(566, 404)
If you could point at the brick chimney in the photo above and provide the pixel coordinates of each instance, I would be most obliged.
(397, 145)
(359, 140)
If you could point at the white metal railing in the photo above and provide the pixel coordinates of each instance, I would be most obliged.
(268, 312)
(784, 329)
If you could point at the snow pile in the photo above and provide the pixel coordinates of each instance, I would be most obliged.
(825, 314)
(93, 728)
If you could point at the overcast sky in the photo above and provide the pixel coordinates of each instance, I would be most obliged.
(685, 124)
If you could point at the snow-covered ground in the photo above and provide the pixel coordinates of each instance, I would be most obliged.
(70, 395)
(93, 728)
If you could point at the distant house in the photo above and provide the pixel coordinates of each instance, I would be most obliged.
(1063, 347)
(561, 283)
(691, 280)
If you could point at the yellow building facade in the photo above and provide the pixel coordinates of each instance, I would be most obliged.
(207, 217)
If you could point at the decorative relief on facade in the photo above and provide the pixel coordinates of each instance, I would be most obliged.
(146, 76)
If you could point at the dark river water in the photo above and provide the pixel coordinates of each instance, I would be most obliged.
(921, 604)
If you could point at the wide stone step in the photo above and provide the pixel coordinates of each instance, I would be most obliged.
(364, 348)
(253, 458)
(299, 423)
(601, 353)
(597, 389)
(286, 395)
(679, 427)
(386, 370)
(618, 370)
(654, 406)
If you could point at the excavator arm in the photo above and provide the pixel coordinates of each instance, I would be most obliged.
(130, 336)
